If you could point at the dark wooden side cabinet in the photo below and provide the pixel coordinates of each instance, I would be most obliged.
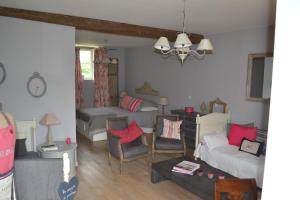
(188, 126)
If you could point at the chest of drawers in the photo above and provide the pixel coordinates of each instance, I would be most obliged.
(188, 126)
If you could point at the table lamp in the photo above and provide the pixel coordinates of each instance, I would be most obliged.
(163, 101)
(49, 120)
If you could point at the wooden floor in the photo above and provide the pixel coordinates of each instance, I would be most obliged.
(97, 181)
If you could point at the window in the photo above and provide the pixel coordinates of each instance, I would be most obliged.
(87, 64)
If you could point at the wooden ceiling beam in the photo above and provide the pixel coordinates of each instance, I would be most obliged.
(97, 25)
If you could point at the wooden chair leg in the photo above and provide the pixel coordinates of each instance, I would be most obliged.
(153, 156)
(109, 159)
(121, 166)
(149, 163)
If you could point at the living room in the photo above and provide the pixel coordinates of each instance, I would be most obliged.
(221, 74)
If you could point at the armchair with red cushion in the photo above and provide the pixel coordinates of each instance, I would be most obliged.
(125, 142)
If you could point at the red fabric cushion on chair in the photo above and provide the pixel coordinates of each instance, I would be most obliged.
(238, 132)
(129, 134)
(134, 131)
(120, 133)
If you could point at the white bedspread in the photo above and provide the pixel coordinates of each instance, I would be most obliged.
(240, 164)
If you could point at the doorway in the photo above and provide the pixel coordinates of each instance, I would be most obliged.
(113, 82)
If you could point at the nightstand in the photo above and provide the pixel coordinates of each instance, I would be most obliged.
(62, 148)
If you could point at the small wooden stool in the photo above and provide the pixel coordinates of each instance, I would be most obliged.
(235, 188)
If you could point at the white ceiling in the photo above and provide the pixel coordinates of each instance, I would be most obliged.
(202, 16)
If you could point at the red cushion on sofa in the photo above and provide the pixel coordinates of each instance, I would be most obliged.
(129, 134)
(238, 132)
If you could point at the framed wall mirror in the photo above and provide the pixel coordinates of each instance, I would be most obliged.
(217, 106)
(259, 76)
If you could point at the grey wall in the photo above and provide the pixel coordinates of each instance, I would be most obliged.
(222, 74)
(27, 47)
(88, 85)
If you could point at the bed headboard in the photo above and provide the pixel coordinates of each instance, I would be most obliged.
(26, 129)
(147, 89)
(213, 122)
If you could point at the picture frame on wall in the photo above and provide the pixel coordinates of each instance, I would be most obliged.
(2, 73)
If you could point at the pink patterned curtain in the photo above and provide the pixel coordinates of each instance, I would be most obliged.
(78, 79)
(101, 93)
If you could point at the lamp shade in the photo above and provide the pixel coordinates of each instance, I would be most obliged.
(163, 101)
(162, 44)
(49, 119)
(205, 45)
(182, 40)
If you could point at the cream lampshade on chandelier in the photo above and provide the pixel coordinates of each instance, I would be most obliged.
(182, 45)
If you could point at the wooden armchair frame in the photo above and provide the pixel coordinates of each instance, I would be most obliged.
(182, 135)
(111, 137)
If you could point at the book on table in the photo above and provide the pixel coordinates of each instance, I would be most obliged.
(186, 167)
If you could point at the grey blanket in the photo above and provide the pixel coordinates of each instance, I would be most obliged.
(96, 117)
(38, 178)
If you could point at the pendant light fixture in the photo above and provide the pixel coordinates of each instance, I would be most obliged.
(182, 45)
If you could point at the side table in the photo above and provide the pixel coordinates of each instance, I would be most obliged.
(62, 148)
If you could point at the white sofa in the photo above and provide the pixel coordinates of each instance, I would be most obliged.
(229, 159)
(218, 153)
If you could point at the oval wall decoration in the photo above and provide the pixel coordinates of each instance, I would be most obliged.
(2, 73)
(36, 85)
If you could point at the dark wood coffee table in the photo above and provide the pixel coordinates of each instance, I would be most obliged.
(202, 186)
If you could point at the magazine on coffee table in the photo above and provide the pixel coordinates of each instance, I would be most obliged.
(186, 167)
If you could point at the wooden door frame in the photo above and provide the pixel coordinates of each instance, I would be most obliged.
(117, 76)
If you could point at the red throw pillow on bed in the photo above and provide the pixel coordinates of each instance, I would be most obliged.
(134, 104)
(125, 101)
(238, 132)
(129, 134)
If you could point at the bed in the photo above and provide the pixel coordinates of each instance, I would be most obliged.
(91, 122)
(226, 157)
